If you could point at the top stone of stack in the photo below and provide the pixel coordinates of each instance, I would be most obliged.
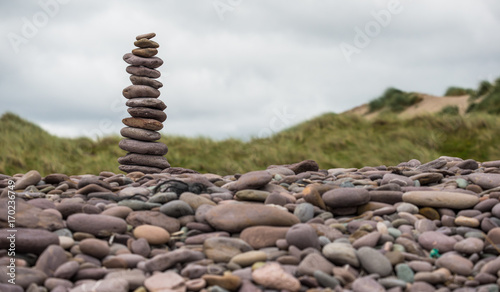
(146, 36)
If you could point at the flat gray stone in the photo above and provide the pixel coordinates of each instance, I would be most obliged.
(144, 160)
(141, 147)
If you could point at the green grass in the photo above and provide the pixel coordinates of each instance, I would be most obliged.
(332, 140)
(490, 98)
(394, 100)
(459, 91)
(450, 110)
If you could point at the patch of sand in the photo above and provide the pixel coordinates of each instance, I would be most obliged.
(430, 104)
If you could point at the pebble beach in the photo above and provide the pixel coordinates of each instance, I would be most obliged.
(416, 226)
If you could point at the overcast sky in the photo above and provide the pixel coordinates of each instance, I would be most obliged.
(236, 68)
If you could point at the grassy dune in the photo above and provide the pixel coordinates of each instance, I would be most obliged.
(332, 140)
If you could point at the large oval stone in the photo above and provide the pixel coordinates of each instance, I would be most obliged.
(142, 71)
(439, 199)
(434, 239)
(486, 180)
(251, 180)
(141, 147)
(236, 217)
(28, 240)
(99, 225)
(134, 91)
(148, 113)
(155, 218)
(157, 161)
(146, 102)
(53, 257)
(222, 249)
(263, 236)
(152, 63)
(346, 197)
(147, 124)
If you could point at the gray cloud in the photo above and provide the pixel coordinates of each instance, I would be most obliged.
(233, 77)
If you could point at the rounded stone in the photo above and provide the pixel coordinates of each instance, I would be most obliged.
(236, 217)
(155, 218)
(30, 178)
(228, 281)
(370, 240)
(251, 195)
(249, 258)
(152, 63)
(147, 113)
(142, 71)
(405, 273)
(367, 284)
(94, 247)
(469, 245)
(148, 35)
(429, 213)
(302, 236)
(52, 258)
(304, 212)
(314, 262)
(146, 102)
(263, 236)
(98, 225)
(141, 80)
(140, 134)
(346, 197)
(195, 201)
(434, 239)
(392, 178)
(67, 270)
(167, 281)
(341, 254)
(223, 249)
(66, 242)
(28, 240)
(272, 275)
(455, 263)
(153, 234)
(144, 160)
(117, 211)
(438, 199)
(145, 42)
(139, 168)
(374, 262)
(145, 52)
(408, 208)
(176, 209)
(494, 235)
(325, 280)
(146, 124)
(140, 247)
(133, 91)
(486, 180)
(141, 147)
(251, 180)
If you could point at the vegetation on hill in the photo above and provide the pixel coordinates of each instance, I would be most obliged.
(450, 110)
(487, 97)
(459, 91)
(394, 100)
(332, 140)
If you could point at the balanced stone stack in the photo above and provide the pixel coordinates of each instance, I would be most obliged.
(146, 110)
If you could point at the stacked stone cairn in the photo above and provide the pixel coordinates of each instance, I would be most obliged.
(146, 110)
